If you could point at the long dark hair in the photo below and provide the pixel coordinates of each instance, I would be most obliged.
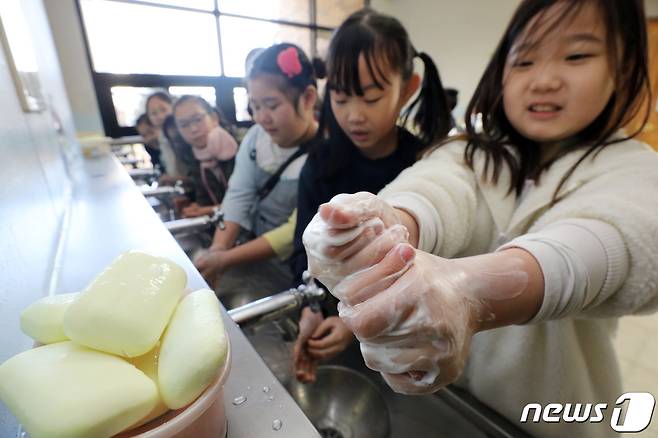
(626, 44)
(381, 39)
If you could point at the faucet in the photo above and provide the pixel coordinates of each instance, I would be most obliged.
(186, 225)
(165, 191)
(275, 306)
(147, 175)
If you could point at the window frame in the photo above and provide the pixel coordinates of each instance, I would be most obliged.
(223, 85)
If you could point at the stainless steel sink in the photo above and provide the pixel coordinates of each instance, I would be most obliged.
(323, 402)
(194, 242)
(343, 403)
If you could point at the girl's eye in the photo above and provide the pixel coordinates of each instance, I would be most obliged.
(340, 101)
(272, 107)
(522, 63)
(578, 56)
(371, 101)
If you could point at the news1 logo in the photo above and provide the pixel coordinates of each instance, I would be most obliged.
(639, 411)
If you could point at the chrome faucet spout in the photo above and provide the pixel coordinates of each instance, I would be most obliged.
(275, 306)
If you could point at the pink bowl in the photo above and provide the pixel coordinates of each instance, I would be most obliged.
(203, 418)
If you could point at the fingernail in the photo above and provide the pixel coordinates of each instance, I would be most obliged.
(406, 252)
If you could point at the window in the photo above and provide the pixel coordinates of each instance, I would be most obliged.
(131, 38)
(287, 10)
(129, 103)
(193, 46)
(241, 100)
(252, 34)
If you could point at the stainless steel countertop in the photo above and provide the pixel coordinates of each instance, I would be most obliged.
(108, 216)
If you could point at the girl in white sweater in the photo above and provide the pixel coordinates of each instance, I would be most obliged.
(531, 235)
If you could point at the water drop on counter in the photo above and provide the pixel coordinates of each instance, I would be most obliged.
(266, 389)
(277, 424)
(270, 398)
(239, 400)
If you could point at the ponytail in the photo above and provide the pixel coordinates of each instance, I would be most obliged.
(432, 116)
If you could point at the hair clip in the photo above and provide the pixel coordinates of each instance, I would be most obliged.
(288, 62)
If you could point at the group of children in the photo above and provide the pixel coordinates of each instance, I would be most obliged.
(497, 260)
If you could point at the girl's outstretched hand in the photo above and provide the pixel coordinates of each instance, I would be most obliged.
(415, 313)
(350, 233)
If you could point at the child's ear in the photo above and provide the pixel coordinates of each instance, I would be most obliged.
(214, 116)
(410, 87)
(309, 97)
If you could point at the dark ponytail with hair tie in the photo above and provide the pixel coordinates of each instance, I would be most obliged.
(433, 113)
(376, 36)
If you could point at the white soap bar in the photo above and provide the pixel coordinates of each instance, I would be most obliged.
(42, 320)
(125, 310)
(148, 364)
(193, 349)
(65, 390)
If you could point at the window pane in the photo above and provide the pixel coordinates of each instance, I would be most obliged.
(331, 13)
(208, 93)
(208, 5)
(131, 38)
(322, 43)
(130, 103)
(241, 100)
(240, 35)
(289, 10)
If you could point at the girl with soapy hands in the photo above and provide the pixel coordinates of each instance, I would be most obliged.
(502, 260)
(371, 77)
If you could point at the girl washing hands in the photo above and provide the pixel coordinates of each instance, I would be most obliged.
(371, 77)
(262, 192)
(532, 236)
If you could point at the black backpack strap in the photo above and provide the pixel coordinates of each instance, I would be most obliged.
(274, 179)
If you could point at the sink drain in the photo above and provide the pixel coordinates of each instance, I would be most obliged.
(330, 432)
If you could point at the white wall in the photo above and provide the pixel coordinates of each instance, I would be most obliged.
(459, 35)
(69, 41)
(33, 189)
(651, 8)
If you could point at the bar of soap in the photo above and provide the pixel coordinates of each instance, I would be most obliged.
(193, 349)
(43, 319)
(125, 310)
(65, 390)
(148, 364)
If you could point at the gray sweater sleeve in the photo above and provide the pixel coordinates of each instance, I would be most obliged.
(241, 195)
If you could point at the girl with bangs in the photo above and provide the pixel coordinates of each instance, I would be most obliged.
(262, 190)
(370, 79)
(502, 260)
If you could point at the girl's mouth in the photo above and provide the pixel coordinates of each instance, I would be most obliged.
(544, 110)
(359, 135)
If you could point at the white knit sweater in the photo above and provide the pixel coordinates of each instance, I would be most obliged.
(564, 360)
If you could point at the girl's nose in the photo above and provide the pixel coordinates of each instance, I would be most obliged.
(546, 79)
(356, 115)
(260, 117)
